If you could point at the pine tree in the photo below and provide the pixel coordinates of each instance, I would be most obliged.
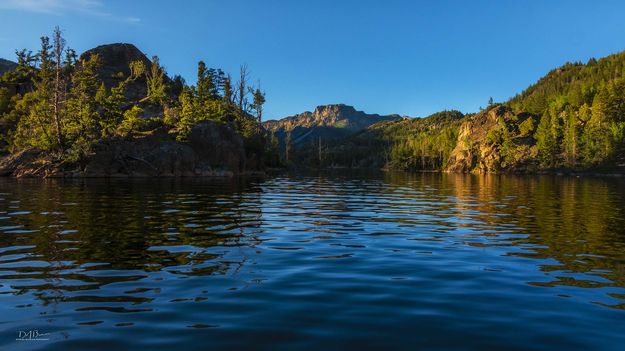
(59, 86)
(203, 85)
(156, 82)
(82, 123)
(258, 102)
(132, 122)
(34, 128)
(188, 113)
(176, 85)
(571, 137)
(228, 89)
(70, 61)
(546, 140)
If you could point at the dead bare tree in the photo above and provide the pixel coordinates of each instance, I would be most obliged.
(59, 45)
(241, 87)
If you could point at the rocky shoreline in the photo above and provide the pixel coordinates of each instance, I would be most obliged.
(213, 150)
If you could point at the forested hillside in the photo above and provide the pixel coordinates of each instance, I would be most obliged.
(410, 144)
(62, 114)
(582, 114)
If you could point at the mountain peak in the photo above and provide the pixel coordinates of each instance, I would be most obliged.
(334, 107)
(327, 122)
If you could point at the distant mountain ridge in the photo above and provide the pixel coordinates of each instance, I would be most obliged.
(326, 122)
(6, 65)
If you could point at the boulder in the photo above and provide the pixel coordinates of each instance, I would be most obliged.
(115, 68)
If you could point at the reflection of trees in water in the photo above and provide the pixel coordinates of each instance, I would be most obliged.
(130, 227)
(580, 222)
(200, 228)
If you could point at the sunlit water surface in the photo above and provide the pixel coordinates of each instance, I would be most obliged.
(322, 262)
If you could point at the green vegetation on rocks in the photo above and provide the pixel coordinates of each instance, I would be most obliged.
(63, 107)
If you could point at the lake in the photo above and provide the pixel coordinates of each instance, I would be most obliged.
(332, 261)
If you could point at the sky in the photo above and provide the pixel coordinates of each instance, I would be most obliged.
(407, 57)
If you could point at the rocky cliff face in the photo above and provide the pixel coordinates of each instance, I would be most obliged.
(495, 140)
(116, 59)
(213, 150)
(326, 122)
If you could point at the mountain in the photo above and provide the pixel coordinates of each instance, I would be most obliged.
(6, 65)
(326, 122)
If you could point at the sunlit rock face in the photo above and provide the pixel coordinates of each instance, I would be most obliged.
(492, 141)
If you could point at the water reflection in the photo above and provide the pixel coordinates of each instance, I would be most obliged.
(89, 258)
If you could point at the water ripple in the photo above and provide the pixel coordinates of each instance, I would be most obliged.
(329, 261)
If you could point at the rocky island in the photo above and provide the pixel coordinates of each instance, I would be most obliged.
(112, 112)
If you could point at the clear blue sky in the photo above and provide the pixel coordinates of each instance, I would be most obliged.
(385, 56)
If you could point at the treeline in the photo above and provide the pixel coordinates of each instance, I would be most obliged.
(56, 102)
(424, 144)
(582, 114)
(410, 144)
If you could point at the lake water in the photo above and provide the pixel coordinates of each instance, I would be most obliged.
(321, 262)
